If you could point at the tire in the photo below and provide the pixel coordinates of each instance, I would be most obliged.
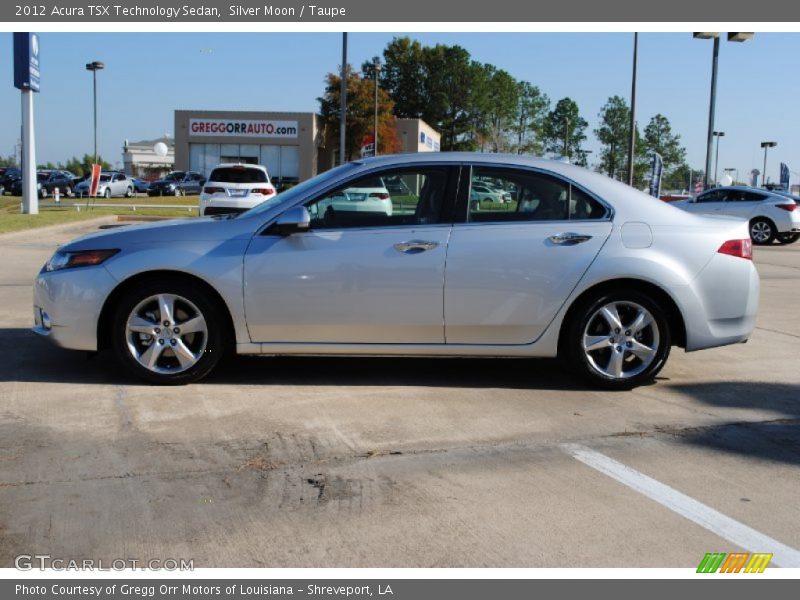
(177, 192)
(43, 192)
(68, 192)
(762, 231)
(129, 193)
(614, 366)
(137, 326)
(787, 238)
(107, 193)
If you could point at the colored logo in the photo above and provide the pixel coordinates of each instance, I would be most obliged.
(736, 562)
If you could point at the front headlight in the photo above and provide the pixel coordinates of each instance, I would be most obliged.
(83, 258)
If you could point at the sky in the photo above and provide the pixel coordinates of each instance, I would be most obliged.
(149, 75)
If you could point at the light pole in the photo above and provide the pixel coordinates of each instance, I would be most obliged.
(766, 146)
(706, 35)
(343, 101)
(94, 67)
(632, 144)
(717, 134)
(377, 69)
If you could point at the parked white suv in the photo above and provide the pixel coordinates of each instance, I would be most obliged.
(235, 188)
(771, 215)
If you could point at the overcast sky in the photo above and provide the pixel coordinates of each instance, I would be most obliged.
(148, 76)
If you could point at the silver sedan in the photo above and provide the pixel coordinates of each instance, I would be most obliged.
(574, 265)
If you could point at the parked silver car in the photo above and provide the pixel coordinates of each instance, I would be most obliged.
(111, 184)
(770, 215)
(584, 267)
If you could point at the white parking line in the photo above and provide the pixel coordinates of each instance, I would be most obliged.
(705, 516)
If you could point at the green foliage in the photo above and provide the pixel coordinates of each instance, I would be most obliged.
(565, 131)
(8, 161)
(529, 119)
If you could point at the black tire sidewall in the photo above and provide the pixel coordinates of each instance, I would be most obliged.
(576, 357)
(216, 345)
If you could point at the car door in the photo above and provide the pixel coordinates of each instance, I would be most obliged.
(742, 203)
(511, 265)
(710, 202)
(356, 276)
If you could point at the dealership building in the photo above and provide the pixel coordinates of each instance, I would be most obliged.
(294, 146)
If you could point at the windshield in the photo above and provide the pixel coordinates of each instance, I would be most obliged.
(175, 176)
(300, 189)
(42, 176)
(105, 177)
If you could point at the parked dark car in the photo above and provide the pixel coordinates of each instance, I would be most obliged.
(7, 178)
(140, 185)
(47, 182)
(177, 183)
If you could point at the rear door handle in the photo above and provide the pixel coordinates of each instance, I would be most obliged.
(415, 246)
(569, 238)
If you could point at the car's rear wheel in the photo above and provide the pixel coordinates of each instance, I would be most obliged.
(618, 340)
(129, 193)
(107, 193)
(762, 231)
(168, 332)
(787, 238)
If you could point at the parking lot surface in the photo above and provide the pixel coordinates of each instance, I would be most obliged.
(339, 462)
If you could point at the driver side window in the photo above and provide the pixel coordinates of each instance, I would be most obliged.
(385, 199)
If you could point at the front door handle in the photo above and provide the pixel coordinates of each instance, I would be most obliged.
(569, 238)
(415, 246)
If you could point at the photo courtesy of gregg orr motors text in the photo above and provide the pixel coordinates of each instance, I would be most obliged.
(186, 589)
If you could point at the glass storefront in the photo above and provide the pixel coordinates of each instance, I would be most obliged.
(282, 162)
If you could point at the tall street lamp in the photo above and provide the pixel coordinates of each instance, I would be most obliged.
(632, 142)
(717, 134)
(376, 66)
(766, 146)
(94, 67)
(732, 37)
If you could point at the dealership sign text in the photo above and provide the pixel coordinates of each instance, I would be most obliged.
(240, 128)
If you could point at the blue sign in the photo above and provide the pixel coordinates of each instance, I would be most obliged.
(785, 177)
(26, 61)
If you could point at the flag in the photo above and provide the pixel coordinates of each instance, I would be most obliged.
(785, 177)
(698, 186)
(656, 171)
(94, 181)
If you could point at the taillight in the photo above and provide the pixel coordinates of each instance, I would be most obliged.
(213, 190)
(379, 195)
(789, 207)
(738, 248)
(263, 191)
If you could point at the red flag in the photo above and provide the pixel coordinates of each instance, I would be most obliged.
(94, 181)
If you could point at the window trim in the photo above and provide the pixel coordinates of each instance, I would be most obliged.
(462, 203)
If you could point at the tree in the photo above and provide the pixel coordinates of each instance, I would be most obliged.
(564, 131)
(658, 137)
(404, 77)
(360, 113)
(499, 107)
(529, 120)
(8, 161)
(83, 167)
(614, 134)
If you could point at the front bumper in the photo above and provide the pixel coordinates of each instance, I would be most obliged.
(67, 305)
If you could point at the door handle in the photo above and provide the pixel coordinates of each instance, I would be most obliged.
(415, 246)
(569, 238)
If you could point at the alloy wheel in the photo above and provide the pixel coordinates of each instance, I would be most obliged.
(761, 232)
(166, 334)
(620, 340)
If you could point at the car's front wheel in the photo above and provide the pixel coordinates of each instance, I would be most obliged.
(107, 193)
(762, 231)
(168, 332)
(618, 340)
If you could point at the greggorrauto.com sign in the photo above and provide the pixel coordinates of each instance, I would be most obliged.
(243, 128)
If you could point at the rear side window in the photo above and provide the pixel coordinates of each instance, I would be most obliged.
(511, 195)
(234, 175)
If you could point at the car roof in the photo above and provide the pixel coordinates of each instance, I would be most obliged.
(245, 165)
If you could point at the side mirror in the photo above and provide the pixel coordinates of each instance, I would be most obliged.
(294, 220)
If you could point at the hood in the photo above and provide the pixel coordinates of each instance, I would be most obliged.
(174, 231)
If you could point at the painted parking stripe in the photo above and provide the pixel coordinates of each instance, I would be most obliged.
(705, 516)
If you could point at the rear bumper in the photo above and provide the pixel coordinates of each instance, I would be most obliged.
(223, 205)
(720, 306)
